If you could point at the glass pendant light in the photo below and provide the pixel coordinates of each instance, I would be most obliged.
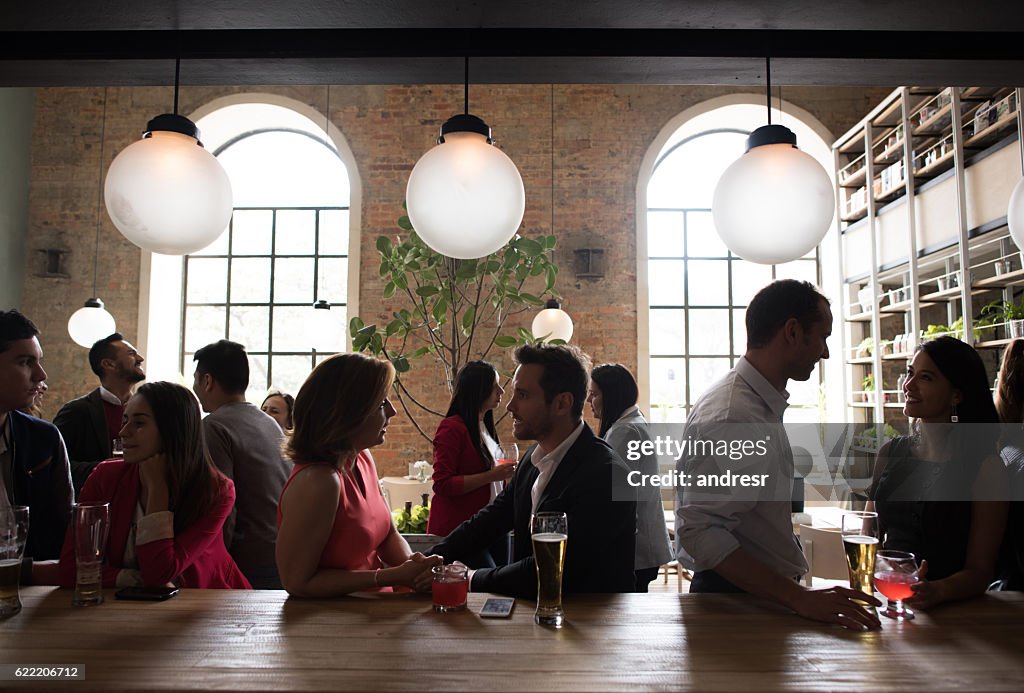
(166, 193)
(92, 322)
(465, 197)
(775, 203)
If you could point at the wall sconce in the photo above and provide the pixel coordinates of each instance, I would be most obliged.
(588, 263)
(53, 263)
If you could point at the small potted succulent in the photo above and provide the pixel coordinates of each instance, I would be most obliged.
(868, 388)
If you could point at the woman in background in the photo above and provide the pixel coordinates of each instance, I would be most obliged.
(613, 395)
(936, 492)
(168, 502)
(335, 533)
(1010, 404)
(465, 475)
(280, 406)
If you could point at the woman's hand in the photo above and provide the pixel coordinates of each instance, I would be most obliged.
(926, 594)
(153, 476)
(415, 572)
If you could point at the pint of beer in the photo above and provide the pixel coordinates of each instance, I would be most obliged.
(13, 536)
(550, 534)
(860, 541)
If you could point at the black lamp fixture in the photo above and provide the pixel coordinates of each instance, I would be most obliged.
(775, 203)
(465, 197)
(92, 322)
(552, 322)
(165, 193)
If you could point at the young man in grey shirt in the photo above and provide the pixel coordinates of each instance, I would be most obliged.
(245, 444)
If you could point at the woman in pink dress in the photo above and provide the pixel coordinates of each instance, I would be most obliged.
(335, 533)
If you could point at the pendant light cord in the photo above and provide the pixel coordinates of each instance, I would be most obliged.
(465, 93)
(768, 87)
(177, 78)
(552, 159)
(99, 194)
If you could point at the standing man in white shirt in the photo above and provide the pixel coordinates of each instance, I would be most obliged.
(741, 539)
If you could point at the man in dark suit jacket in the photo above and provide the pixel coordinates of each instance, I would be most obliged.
(33, 464)
(89, 424)
(569, 470)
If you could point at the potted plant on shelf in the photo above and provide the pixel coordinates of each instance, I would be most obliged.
(933, 331)
(865, 348)
(868, 387)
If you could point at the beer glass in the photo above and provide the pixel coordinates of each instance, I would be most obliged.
(91, 524)
(550, 533)
(13, 535)
(860, 540)
(896, 572)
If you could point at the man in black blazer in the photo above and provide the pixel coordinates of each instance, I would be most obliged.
(568, 470)
(89, 424)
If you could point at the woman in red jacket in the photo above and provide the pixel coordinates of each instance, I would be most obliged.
(465, 476)
(168, 503)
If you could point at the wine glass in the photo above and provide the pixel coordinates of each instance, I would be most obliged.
(895, 574)
(508, 453)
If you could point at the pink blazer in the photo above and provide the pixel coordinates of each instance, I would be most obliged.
(194, 558)
(454, 457)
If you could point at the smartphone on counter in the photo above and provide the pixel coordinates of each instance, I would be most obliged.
(497, 607)
(146, 594)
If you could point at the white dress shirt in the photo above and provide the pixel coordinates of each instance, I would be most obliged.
(547, 465)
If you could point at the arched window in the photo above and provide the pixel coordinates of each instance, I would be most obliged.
(696, 290)
(287, 246)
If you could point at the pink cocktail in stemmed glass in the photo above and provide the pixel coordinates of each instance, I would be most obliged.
(508, 453)
(896, 572)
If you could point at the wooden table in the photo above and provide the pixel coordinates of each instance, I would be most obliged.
(222, 640)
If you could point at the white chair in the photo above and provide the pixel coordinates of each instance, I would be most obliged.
(823, 549)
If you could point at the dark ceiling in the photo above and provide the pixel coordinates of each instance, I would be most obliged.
(819, 42)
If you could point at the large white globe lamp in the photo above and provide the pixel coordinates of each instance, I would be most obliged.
(1015, 214)
(166, 193)
(465, 196)
(91, 323)
(552, 323)
(775, 203)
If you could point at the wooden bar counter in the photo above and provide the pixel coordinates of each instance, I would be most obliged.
(238, 640)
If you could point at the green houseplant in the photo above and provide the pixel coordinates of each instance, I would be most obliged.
(452, 310)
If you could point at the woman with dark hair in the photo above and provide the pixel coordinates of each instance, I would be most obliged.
(168, 502)
(280, 406)
(613, 395)
(938, 492)
(1010, 403)
(335, 533)
(465, 475)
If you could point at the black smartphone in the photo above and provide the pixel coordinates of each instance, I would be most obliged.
(497, 607)
(146, 594)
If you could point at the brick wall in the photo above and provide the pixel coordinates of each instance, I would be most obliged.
(601, 136)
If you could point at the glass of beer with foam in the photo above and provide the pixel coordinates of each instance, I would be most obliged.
(550, 534)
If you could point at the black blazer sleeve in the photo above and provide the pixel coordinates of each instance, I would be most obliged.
(78, 422)
(490, 522)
